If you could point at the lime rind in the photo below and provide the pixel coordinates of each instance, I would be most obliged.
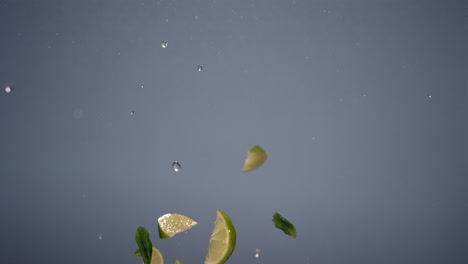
(284, 225)
(178, 262)
(162, 234)
(257, 148)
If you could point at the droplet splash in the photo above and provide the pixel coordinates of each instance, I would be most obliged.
(164, 44)
(200, 68)
(176, 166)
(257, 253)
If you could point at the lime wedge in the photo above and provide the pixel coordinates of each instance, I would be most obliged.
(178, 262)
(157, 257)
(283, 224)
(222, 241)
(256, 156)
(171, 224)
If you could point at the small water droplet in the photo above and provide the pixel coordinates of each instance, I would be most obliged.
(142, 86)
(132, 112)
(196, 17)
(164, 44)
(100, 236)
(429, 96)
(200, 68)
(257, 253)
(176, 166)
(8, 89)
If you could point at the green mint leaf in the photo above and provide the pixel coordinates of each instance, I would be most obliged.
(283, 224)
(137, 253)
(145, 247)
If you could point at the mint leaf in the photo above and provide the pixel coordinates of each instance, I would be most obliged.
(145, 247)
(283, 224)
(137, 253)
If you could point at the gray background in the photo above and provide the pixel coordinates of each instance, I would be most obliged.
(361, 106)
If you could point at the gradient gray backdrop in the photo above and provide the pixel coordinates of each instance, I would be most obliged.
(361, 106)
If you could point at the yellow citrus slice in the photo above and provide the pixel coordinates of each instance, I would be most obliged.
(156, 257)
(171, 224)
(222, 241)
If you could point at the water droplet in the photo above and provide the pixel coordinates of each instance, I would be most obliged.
(429, 96)
(257, 253)
(164, 44)
(132, 112)
(142, 86)
(100, 236)
(176, 166)
(8, 89)
(200, 68)
(196, 17)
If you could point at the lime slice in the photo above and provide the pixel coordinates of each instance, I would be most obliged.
(156, 257)
(256, 156)
(171, 224)
(283, 224)
(222, 241)
(178, 262)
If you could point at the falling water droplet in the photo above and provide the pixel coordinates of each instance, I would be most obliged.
(100, 236)
(142, 86)
(132, 112)
(257, 253)
(164, 44)
(200, 68)
(8, 89)
(429, 96)
(176, 166)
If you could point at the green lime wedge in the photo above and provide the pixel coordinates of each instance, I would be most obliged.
(178, 262)
(222, 241)
(256, 156)
(283, 224)
(157, 257)
(171, 224)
